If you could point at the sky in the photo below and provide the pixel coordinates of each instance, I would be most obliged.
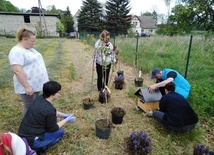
(137, 6)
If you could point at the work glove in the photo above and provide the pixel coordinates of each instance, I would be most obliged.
(150, 113)
(63, 115)
(71, 118)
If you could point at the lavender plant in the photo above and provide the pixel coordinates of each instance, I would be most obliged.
(201, 150)
(138, 143)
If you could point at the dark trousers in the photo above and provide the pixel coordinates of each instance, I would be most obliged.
(158, 115)
(102, 75)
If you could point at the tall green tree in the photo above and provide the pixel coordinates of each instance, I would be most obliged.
(182, 18)
(6, 6)
(90, 18)
(203, 11)
(117, 18)
(67, 20)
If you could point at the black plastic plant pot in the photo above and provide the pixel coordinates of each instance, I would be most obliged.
(102, 128)
(104, 98)
(120, 73)
(87, 103)
(116, 119)
(118, 86)
(87, 106)
(138, 82)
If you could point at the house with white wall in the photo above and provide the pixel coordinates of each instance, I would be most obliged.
(12, 22)
(143, 24)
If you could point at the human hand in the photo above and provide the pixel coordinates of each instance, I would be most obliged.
(151, 89)
(63, 115)
(150, 113)
(70, 118)
(93, 68)
(29, 91)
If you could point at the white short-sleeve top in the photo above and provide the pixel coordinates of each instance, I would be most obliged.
(33, 67)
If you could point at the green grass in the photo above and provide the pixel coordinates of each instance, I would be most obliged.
(80, 137)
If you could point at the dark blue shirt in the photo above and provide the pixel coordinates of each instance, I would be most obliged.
(178, 112)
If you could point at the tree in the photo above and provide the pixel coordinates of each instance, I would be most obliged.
(117, 18)
(52, 9)
(90, 17)
(183, 18)
(146, 14)
(6, 6)
(203, 14)
(60, 28)
(67, 20)
(36, 9)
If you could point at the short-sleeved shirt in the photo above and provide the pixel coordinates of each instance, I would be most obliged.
(40, 118)
(33, 66)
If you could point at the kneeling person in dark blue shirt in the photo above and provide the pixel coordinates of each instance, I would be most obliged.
(174, 111)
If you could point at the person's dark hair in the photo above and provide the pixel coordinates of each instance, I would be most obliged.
(50, 88)
(170, 86)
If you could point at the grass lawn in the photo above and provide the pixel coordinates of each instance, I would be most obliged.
(80, 138)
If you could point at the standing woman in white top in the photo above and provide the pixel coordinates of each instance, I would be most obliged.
(104, 56)
(29, 68)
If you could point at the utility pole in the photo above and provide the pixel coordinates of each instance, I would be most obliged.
(40, 18)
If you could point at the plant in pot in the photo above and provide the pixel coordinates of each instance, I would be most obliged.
(87, 103)
(117, 114)
(119, 72)
(139, 80)
(103, 125)
(138, 143)
(104, 96)
(119, 82)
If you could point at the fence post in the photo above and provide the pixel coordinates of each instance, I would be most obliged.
(188, 56)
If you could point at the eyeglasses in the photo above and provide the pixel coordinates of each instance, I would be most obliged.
(59, 92)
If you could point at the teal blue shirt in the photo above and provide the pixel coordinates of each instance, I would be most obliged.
(182, 86)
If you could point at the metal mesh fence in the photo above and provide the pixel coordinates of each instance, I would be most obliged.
(171, 52)
(192, 56)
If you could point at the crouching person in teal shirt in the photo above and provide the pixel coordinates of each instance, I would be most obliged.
(39, 126)
(165, 76)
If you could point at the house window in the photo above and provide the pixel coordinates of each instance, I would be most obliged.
(135, 23)
(27, 18)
